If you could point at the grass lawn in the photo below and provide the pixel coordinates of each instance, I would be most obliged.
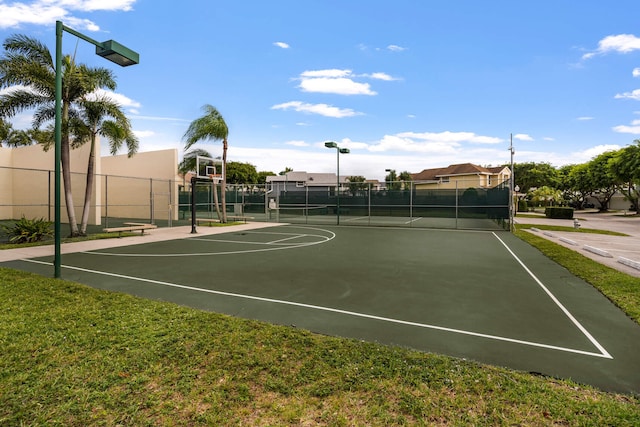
(77, 356)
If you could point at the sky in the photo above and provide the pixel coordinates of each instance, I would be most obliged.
(405, 85)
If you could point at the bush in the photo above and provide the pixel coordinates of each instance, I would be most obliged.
(559, 212)
(523, 206)
(29, 230)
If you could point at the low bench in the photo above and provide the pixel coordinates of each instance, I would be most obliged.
(130, 226)
(207, 220)
(239, 218)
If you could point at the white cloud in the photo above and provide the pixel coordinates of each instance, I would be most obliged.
(635, 94)
(636, 72)
(321, 109)
(282, 45)
(634, 129)
(584, 118)
(333, 81)
(123, 100)
(339, 86)
(522, 137)
(451, 137)
(396, 48)
(45, 12)
(621, 43)
(330, 73)
(590, 153)
(144, 133)
(297, 143)
(381, 76)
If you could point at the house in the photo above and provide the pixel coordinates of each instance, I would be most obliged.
(462, 175)
(303, 181)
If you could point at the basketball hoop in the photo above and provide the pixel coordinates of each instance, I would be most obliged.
(215, 177)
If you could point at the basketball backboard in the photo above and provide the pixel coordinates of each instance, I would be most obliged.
(209, 168)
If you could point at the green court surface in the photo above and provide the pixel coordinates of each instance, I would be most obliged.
(480, 295)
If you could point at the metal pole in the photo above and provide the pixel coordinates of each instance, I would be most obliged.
(57, 259)
(338, 187)
(193, 205)
(511, 186)
(106, 201)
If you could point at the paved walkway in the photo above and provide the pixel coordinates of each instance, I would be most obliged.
(155, 235)
(607, 250)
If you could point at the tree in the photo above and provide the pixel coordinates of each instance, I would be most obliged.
(405, 178)
(211, 126)
(391, 180)
(262, 176)
(285, 171)
(603, 181)
(574, 184)
(100, 116)
(357, 184)
(530, 174)
(545, 196)
(27, 66)
(12, 137)
(241, 173)
(625, 166)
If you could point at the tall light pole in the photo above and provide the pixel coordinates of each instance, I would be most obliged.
(114, 52)
(512, 208)
(331, 144)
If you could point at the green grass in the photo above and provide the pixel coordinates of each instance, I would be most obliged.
(622, 289)
(77, 356)
(569, 229)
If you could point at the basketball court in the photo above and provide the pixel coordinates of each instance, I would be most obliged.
(479, 295)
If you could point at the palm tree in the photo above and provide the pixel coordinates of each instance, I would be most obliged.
(12, 137)
(211, 126)
(189, 164)
(27, 66)
(100, 116)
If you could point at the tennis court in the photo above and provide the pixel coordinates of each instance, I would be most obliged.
(479, 295)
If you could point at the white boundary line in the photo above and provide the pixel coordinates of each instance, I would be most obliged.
(273, 246)
(604, 353)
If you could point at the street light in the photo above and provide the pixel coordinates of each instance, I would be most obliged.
(331, 144)
(114, 52)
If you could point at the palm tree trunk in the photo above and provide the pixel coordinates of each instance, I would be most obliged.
(223, 190)
(214, 188)
(66, 178)
(88, 191)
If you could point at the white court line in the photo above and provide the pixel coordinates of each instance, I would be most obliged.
(201, 239)
(272, 247)
(604, 353)
(355, 219)
(295, 236)
(335, 310)
(413, 220)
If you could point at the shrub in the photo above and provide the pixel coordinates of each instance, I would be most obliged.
(522, 206)
(29, 230)
(559, 212)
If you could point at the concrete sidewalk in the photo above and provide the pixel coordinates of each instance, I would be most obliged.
(608, 250)
(155, 235)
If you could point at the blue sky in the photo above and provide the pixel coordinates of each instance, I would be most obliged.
(405, 85)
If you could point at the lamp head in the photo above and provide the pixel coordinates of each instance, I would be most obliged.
(115, 52)
(330, 144)
(344, 150)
